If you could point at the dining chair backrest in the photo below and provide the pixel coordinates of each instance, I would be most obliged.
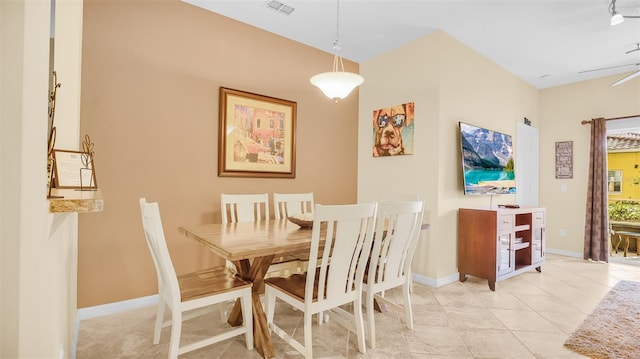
(340, 253)
(287, 204)
(168, 286)
(398, 225)
(244, 207)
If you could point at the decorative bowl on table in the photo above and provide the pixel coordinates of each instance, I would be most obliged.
(304, 220)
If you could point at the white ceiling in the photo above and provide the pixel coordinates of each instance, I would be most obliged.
(544, 42)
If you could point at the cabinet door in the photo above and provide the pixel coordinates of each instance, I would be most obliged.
(538, 241)
(505, 253)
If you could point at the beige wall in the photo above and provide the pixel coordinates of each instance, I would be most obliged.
(561, 110)
(449, 83)
(150, 80)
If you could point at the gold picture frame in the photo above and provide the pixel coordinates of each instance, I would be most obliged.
(257, 135)
(70, 170)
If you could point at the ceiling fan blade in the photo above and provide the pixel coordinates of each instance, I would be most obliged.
(627, 78)
(634, 50)
(608, 68)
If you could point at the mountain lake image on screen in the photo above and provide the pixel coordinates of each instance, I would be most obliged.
(487, 161)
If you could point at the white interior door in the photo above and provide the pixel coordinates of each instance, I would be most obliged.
(527, 162)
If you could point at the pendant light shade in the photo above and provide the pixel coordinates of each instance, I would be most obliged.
(338, 83)
(617, 19)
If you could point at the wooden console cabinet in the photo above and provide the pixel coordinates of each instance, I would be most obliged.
(496, 244)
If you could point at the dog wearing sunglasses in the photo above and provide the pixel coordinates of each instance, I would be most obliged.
(388, 124)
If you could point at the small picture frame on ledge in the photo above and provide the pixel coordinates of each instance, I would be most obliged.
(72, 171)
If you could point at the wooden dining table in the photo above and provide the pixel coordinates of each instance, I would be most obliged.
(251, 246)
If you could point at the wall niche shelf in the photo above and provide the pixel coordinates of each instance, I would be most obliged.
(75, 201)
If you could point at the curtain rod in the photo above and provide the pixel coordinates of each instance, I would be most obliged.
(584, 122)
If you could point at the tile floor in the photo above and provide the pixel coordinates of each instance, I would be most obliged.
(528, 316)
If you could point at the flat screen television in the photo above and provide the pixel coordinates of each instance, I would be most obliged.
(487, 161)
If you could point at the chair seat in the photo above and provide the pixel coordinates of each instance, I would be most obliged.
(214, 280)
(295, 285)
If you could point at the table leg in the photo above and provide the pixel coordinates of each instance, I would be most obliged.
(617, 244)
(255, 273)
(379, 306)
(626, 245)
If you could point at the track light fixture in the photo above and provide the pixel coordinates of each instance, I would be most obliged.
(616, 17)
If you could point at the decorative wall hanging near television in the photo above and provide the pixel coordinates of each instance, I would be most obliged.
(256, 135)
(487, 161)
(564, 160)
(393, 130)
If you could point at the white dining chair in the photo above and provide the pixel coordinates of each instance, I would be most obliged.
(398, 225)
(244, 207)
(187, 292)
(287, 204)
(341, 240)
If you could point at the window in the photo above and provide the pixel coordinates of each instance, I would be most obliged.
(615, 181)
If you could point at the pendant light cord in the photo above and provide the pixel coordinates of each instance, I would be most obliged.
(338, 65)
(335, 44)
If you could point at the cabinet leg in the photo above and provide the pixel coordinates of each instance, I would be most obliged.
(492, 285)
(539, 269)
(463, 277)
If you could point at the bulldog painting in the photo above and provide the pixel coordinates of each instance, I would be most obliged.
(393, 130)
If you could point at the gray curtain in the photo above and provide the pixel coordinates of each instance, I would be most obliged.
(596, 231)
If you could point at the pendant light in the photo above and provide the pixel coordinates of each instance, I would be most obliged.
(616, 17)
(337, 84)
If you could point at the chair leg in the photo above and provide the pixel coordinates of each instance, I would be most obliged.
(271, 306)
(308, 339)
(159, 320)
(357, 313)
(410, 282)
(407, 305)
(247, 316)
(223, 313)
(176, 330)
(370, 319)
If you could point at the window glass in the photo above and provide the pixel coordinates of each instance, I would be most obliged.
(615, 181)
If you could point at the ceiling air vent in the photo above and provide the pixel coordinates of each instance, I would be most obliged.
(279, 7)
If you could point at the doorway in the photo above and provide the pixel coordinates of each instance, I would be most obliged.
(623, 183)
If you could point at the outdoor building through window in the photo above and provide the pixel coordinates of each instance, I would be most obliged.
(615, 182)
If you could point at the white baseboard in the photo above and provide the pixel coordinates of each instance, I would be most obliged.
(116, 307)
(562, 252)
(435, 283)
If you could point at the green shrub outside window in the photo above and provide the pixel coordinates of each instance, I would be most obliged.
(624, 211)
